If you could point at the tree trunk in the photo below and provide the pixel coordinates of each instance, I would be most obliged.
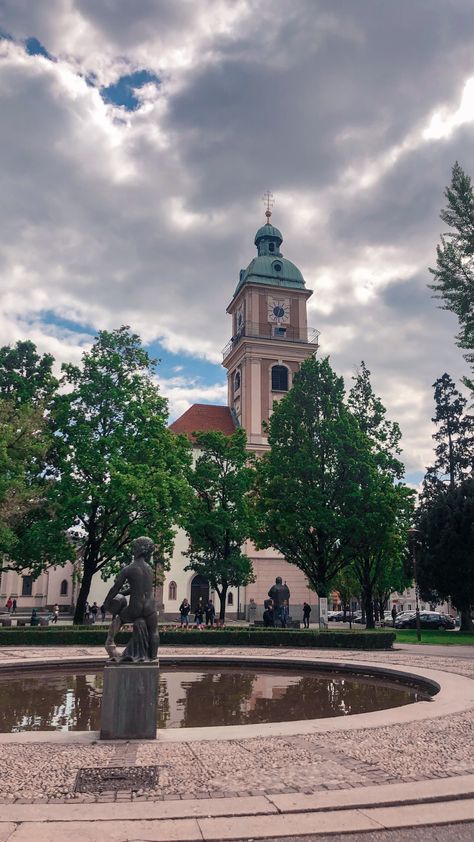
(89, 570)
(466, 619)
(223, 598)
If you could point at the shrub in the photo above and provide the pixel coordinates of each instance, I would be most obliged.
(72, 636)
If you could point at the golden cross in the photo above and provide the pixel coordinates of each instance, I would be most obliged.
(269, 201)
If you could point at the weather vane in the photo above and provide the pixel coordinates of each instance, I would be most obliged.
(269, 201)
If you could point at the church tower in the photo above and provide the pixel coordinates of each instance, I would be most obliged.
(270, 334)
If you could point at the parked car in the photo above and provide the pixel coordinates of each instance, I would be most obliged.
(334, 615)
(428, 620)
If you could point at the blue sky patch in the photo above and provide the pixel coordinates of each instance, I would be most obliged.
(35, 48)
(122, 92)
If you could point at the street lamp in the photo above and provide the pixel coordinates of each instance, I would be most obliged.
(413, 537)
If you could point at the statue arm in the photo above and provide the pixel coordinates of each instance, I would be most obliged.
(116, 588)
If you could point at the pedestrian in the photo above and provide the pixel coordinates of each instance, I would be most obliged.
(199, 613)
(94, 611)
(102, 613)
(268, 614)
(394, 615)
(184, 610)
(285, 613)
(306, 613)
(14, 606)
(9, 604)
(55, 614)
(210, 613)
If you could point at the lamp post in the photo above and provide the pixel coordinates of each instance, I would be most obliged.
(413, 537)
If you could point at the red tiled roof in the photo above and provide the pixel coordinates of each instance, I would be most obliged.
(202, 417)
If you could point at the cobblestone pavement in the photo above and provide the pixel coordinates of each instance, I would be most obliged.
(438, 747)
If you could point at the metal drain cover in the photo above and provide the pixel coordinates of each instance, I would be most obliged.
(115, 778)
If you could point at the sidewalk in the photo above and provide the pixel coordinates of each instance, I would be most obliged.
(426, 803)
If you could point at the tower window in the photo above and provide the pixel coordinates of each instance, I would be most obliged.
(271, 246)
(237, 381)
(279, 378)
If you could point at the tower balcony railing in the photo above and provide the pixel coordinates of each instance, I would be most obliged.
(268, 330)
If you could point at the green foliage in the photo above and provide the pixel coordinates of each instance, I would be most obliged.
(311, 486)
(446, 557)
(120, 471)
(454, 438)
(220, 637)
(454, 272)
(25, 377)
(28, 536)
(218, 517)
(386, 508)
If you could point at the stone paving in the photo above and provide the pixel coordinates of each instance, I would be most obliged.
(438, 747)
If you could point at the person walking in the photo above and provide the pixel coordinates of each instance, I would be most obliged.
(184, 610)
(268, 614)
(9, 604)
(394, 615)
(55, 616)
(306, 613)
(14, 606)
(285, 613)
(210, 613)
(94, 611)
(102, 613)
(199, 613)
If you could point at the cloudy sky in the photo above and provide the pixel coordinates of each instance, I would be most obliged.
(137, 138)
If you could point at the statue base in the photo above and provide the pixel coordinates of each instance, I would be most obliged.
(129, 701)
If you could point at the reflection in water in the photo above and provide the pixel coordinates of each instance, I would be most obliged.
(66, 701)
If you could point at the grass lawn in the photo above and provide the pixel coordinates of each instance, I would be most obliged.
(445, 638)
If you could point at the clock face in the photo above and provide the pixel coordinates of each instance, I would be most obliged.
(279, 310)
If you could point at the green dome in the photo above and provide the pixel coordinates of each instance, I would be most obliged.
(272, 271)
(268, 230)
(270, 268)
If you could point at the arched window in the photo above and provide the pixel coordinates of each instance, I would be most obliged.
(230, 598)
(64, 586)
(237, 380)
(279, 378)
(172, 591)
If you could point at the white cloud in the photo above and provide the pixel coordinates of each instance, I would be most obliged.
(352, 116)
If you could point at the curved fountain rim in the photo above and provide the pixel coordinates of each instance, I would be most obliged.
(455, 694)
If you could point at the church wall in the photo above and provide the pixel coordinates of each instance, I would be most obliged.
(267, 565)
(45, 590)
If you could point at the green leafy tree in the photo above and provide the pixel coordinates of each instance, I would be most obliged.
(446, 551)
(310, 485)
(218, 519)
(385, 515)
(454, 272)
(120, 471)
(454, 439)
(29, 534)
(387, 508)
(383, 434)
(25, 376)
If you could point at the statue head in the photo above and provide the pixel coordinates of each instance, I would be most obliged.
(143, 548)
(278, 580)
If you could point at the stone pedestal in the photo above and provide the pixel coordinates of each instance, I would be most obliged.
(129, 702)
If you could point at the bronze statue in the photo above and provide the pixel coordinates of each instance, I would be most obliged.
(140, 609)
(279, 593)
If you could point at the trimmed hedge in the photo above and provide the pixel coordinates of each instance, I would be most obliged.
(68, 635)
